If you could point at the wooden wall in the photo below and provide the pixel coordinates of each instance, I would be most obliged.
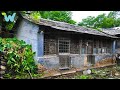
(78, 42)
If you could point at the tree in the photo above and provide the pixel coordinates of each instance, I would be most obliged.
(102, 21)
(64, 16)
(88, 22)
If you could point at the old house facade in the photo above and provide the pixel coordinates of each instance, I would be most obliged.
(60, 45)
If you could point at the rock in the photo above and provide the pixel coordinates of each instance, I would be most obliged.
(3, 63)
(87, 72)
(103, 72)
(111, 78)
(116, 74)
(2, 67)
(2, 72)
(1, 77)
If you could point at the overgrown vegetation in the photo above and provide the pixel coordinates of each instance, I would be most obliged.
(19, 57)
(64, 16)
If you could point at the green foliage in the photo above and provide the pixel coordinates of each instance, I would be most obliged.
(19, 56)
(23, 76)
(35, 15)
(101, 21)
(7, 25)
(64, 16)
(82, 77)
(89, 21)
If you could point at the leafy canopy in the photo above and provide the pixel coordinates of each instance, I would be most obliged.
(102, 21)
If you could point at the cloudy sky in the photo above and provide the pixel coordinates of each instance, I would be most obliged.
(79, 15)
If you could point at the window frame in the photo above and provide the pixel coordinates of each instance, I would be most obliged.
(64, 39)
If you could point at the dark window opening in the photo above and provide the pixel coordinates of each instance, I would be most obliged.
(95, 50)
(91, 59)
(64, 45)
(100, 47)
(104, 49)
(83, 48)
(49, 46)
(90, 47)
(46, 47)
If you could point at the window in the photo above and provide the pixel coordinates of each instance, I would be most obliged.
(109, 47)
(49, 46)
(90, 47)
(46, 47)
(83, 49)
(100, 47)
(95, 50)
(117, 44)
(64, 45)
(104, 49)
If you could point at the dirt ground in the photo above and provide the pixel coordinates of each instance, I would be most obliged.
(77, 72)
(102, 72)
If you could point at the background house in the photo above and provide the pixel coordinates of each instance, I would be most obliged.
(61, 45)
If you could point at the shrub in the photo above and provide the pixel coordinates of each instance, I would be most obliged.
(19, 56)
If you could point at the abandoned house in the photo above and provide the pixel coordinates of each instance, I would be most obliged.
(114, 32)
(59, 45)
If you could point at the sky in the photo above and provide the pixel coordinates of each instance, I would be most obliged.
(79, 15)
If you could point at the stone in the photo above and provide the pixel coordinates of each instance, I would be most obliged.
(1, 77)
(103, 72)
(2, 72)
(87, 72)
(116, 74)
(2, 67)
(111, 78)
(3, 63)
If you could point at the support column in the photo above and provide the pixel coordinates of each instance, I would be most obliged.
(40, 50)
(113, 46)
